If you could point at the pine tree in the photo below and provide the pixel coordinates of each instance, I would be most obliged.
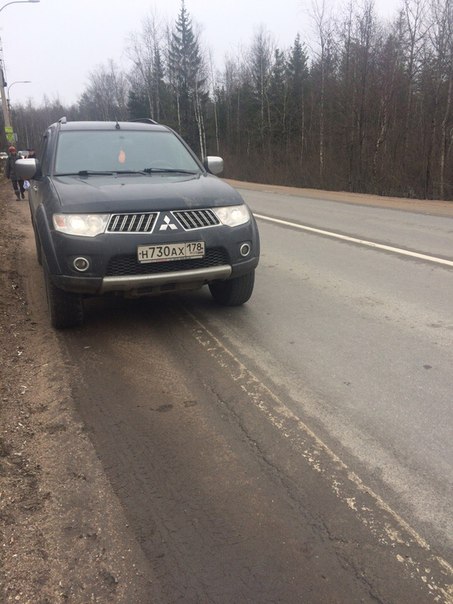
(297, 76)
(187, 80)
(278, 98)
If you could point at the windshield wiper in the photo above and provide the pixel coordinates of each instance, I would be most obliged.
(130, 172)
(87, 173)
(169, 170)
(100, 172)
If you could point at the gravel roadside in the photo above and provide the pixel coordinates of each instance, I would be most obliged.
(63, 533)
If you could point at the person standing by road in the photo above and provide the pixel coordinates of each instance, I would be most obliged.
(10, 172)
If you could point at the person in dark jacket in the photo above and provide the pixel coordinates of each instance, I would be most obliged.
(10, 171)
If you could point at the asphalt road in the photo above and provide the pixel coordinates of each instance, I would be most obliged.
(298, 449)
(365, 341)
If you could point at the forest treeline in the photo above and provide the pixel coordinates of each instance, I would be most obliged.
(367, 109)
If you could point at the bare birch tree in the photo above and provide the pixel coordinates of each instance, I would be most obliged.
(324, 28)
(145, 51)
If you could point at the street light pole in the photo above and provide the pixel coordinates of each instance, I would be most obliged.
(8, 104)
(18, 2)
(8, 98)
(6, 115)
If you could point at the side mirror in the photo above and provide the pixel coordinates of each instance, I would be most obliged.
(27, 169)
(213, 164)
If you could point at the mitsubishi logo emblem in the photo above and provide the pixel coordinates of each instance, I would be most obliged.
(168, 225)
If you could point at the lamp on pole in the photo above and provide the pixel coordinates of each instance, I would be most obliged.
(8, 102)
(11, 85)
(6, 116)
(17, 2)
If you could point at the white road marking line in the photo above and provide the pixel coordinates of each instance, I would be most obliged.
(337, 472)
(380, 246)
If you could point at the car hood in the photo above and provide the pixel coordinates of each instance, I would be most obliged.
(141, 193)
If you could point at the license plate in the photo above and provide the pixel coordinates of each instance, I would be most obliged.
(170, 251)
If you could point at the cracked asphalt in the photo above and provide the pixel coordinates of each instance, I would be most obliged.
(143, 460)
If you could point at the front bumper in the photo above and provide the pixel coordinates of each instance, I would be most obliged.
(196, 276)
(148, 284)
(114, 266)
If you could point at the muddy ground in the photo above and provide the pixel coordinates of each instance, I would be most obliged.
(64, 536)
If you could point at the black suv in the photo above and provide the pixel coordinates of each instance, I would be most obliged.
(127, 208)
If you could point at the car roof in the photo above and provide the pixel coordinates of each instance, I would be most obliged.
(99, 125)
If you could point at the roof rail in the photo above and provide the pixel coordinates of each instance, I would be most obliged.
(144, 120)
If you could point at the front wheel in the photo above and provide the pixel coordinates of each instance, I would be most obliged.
(233, 292)
(65, 308)
(38, 248)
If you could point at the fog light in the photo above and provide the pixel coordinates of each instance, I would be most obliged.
(245, 249)
(81, 264)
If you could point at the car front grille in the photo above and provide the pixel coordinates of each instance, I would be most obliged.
(196, 219)
(144, 222)
(126, 265)
(132, 223)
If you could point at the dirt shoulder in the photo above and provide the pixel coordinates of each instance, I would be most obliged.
(64, 536)
(423, 206)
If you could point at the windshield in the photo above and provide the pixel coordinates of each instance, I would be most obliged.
(92, 151)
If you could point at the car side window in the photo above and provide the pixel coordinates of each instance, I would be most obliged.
(45, 154)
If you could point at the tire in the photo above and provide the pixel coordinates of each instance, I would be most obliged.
(38, 249)
(37, 242)
(65, 308)
(233, 292)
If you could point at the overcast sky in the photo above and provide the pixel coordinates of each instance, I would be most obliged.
(56, 43)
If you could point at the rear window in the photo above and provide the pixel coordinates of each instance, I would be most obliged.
(105, 150)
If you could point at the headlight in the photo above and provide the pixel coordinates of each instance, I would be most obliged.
(84, 225)
(233, 215)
